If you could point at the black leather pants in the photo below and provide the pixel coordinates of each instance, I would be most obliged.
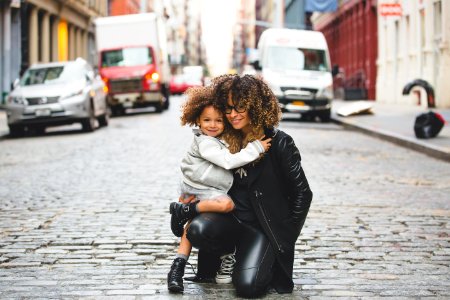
(214, 232)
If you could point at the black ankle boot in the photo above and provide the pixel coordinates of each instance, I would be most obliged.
(175, 276)
(181, 213)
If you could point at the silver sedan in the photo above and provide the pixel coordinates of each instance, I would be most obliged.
(56, 94)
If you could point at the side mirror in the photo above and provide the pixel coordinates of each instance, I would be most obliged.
(256, 65)
(335, 70)
(15, 84)
(90, 76)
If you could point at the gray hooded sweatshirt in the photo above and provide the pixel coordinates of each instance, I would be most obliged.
(208, 161)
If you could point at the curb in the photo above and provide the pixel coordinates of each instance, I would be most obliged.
(406, 142)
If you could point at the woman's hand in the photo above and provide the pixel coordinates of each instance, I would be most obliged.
(265, 143)
(186, 200)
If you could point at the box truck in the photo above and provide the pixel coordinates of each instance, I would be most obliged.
(133, 61)
(296, 65)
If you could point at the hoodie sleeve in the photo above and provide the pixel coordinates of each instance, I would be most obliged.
(221, 156)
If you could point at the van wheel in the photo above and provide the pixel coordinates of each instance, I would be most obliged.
(16, 130)
(39, 130)
(325, 116)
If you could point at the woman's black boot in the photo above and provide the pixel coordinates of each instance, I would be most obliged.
(181, 213)
(175, 276)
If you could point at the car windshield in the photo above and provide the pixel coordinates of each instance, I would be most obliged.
(127, 57)
(290, 58)
(51, 75)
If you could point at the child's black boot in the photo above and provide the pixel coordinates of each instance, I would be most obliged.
(181, 213)
(175, 276)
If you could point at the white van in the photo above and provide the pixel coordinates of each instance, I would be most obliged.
(296, 65)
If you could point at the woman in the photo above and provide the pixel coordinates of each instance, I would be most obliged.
(271, 195)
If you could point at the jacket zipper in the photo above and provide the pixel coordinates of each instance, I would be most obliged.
(206, 172)
(266, 221)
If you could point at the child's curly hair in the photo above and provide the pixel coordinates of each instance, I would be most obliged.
(258, 99)
(197, 99)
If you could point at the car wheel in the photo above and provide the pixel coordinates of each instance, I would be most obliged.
(103, 120)
(16, 130)
(88, 124)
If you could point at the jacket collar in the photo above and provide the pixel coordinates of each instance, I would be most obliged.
(270, 132)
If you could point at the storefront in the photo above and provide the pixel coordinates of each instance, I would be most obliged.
(9, 43)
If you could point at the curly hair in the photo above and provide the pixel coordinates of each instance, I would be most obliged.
(256, 97)
(197, 99)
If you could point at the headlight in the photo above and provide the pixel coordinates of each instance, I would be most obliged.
(325, 92)
(77, 93)
(17, 100)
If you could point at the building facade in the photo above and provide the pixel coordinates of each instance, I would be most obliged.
(414, 45)
(45, 31)
(127, 7)
(351, 34)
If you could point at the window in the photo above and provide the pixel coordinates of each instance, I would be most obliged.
(290, 58)
(437, 19)
(127, 57)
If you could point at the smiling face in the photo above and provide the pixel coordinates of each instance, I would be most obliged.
(211, 121)
(239, 120)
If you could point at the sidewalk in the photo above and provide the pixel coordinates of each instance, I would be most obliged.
(395, 123)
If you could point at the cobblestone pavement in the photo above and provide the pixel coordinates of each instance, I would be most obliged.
(86, 215)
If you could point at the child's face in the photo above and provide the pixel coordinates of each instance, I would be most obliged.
(211, 121)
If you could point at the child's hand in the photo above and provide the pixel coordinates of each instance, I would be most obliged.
(186, 200)
(265, 143)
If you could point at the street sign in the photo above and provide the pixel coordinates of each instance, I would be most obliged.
(390, 9)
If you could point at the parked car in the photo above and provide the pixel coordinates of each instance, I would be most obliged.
(56, 94)
(181, 82)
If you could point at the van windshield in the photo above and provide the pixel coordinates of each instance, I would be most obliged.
(290, 58)
(127, 57)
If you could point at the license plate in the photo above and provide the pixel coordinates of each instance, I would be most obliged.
(127, 104)
(298, 103)
(43, 112)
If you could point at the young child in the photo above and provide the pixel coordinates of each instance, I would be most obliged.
(205, 175)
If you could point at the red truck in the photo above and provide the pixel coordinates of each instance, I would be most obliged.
(133, 61)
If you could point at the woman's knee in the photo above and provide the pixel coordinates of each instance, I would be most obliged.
(204, 230)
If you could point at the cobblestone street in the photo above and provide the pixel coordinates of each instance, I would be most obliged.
(86, 215)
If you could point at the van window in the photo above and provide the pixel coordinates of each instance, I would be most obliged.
(127, 57)
(290, 58)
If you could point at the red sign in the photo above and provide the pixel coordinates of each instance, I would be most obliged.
(390, 9)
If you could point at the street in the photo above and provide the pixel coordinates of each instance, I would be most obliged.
(85, 215)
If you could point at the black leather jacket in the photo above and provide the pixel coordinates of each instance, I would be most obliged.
(281, 197)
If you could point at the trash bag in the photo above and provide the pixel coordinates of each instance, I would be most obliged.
(428, 125)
